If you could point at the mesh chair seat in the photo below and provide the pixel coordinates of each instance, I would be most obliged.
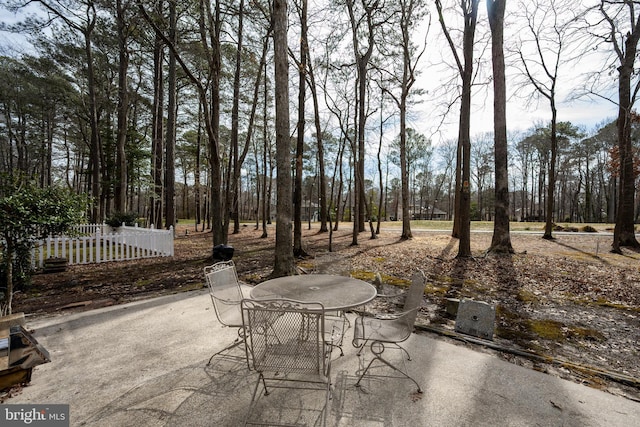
(390, 329)
(383, 329)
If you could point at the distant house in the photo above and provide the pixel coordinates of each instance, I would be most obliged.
(438, 214)
(427, 213)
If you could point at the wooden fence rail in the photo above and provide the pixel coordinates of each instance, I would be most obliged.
(97, 243)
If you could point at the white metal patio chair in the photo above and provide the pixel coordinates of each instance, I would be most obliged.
(390, 329)
(226, 295)
(285, 344)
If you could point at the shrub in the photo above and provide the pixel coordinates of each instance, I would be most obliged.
(29, 213)
(118, 218)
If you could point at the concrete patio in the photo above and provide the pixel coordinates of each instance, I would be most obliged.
(145, 364)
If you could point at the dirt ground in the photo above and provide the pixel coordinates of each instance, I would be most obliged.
(567, 307)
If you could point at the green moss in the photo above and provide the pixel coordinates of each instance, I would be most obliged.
(585, 334)
(431, 289)
(504, 312)
(547, 329)
(191, 287)
(369, 276)
(603, 302)
(523, 331)
(308, 265)
(472, 283)
(513, 334)
(395, 281)
(445, 279)
(526, 296)
(510, 326)
(143, 283)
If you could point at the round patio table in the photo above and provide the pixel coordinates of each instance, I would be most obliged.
(333, 292)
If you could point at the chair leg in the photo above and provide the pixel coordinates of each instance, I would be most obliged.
(405, 352)
(256, 395)
(234, 344)
(364, 372)
(361, 347)
(377, 355)
(254, 398)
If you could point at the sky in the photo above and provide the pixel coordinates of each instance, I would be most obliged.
(586, 112)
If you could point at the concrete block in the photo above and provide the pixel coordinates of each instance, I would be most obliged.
(476, 318)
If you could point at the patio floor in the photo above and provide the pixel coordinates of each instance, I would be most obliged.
(145, 364)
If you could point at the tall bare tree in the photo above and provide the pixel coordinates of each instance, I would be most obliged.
(284, 264)
(122, 25)
(548, 30)
(462, 201)
(298, 250)
(407, 54)
(622, 20)
(157, 130)
(365, 19)
(172, 111)
(501, 241)
(322, 188)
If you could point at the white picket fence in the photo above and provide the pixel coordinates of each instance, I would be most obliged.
(99, 243)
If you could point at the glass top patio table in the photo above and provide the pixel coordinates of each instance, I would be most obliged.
(332, 291)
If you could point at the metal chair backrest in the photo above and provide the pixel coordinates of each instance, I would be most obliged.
(225, 292)
(413, 297)
(285, 336)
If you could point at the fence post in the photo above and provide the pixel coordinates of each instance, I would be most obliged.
(98, 244)
(170, 241)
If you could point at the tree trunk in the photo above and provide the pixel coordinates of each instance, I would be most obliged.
(624, 231)
(120, 191)
(464, 247)
(501, 241)
(266, 199)
(379, 164)
(462, 202)
(215, 204)
(362, 62)
(404, 172)
(196, 172)
(232, 209)
(298, 251)
(155, 214)
(95, 146)
(170, 164)
(316, 109)
(8, 259)
(548, 227)
(284, 264)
